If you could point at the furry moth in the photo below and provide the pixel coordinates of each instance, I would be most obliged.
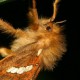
(43, 38)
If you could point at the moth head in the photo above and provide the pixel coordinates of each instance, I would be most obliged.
(43, 23)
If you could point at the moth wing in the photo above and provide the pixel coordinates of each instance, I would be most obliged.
(24, 57)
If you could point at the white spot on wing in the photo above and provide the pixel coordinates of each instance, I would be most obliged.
(28, 68)
(21, 70)
(12, 68)
(39, 52)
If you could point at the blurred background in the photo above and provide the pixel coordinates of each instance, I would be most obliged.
(15, 12)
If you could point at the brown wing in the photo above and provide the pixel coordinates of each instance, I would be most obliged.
(23, 57)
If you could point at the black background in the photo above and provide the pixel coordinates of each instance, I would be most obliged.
(15, 12)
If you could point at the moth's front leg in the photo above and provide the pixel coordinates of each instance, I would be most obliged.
(7, 28)
(5, 52)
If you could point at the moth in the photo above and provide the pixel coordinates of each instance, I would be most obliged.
(38, 46)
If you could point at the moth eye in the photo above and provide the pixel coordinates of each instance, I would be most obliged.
(48, 28)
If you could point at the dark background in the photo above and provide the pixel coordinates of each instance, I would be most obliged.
(15, 12)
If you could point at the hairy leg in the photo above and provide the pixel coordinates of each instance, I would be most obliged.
(5, 52)
(7, 28)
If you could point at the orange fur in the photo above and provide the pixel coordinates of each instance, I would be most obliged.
(43, 34)
(52, 42)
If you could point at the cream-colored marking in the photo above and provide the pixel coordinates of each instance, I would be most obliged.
(39, 52)
(14, 70)
(21, 70)
(10, 69)
(28, 68)
(37, 64)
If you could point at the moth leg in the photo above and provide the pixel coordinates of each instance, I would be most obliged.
(7, 28)
(5, 52)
